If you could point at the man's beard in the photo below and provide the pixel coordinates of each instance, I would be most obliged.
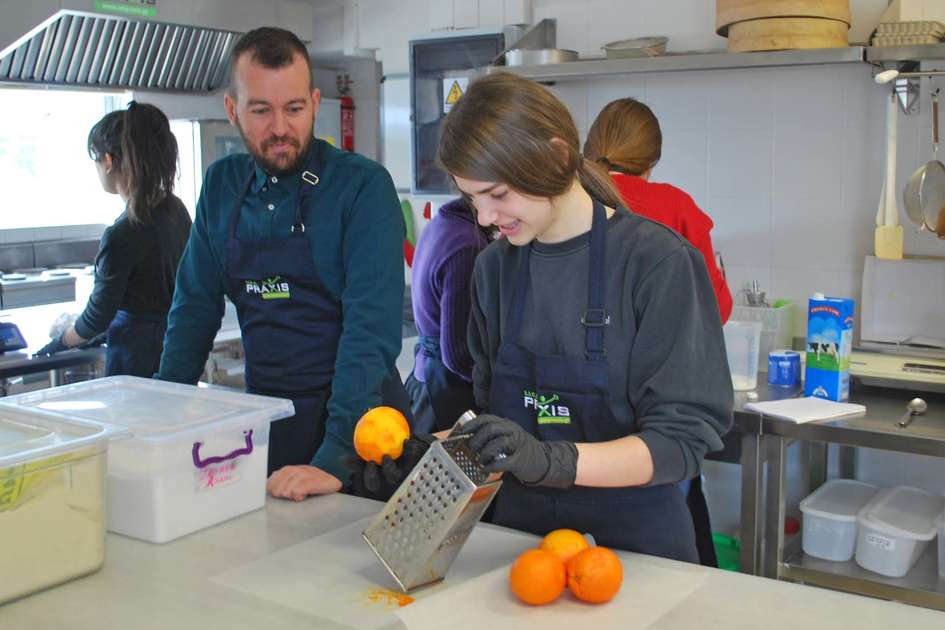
(270, 166)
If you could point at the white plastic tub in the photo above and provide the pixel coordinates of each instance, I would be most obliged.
(830, 523)
(941, 545)
(895, 528)
(52, 500)
(198, 456)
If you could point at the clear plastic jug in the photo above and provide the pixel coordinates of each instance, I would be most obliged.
(742, 343)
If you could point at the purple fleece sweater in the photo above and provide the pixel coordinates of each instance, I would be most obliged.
(441, 278)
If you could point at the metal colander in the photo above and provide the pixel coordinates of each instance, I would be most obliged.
(428, 519)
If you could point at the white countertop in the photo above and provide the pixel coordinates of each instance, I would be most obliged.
(204, 581)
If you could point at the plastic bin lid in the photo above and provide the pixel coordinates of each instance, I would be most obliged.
(154, 409)
(839, 499)
(904, 512)
(27, 435)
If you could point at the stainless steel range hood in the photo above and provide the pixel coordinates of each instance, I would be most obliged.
(73, 48)
(166, 45)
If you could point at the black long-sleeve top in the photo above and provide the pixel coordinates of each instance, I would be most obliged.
(136, 266)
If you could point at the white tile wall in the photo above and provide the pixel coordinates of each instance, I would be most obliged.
(788, 162)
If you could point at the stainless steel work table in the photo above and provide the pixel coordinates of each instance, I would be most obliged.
(177, 585)
(764, 441)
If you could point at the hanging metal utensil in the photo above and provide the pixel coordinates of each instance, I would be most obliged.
(888, 234)
(924, 195)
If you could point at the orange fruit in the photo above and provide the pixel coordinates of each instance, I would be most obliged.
(595, 575)
(564, 543)
(381, 431)
(537, 577)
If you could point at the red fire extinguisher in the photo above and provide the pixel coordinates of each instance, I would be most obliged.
(347, 123)
(344, 82)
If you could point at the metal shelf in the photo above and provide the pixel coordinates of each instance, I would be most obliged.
(588, 68)
(921, 586)
(905, 53)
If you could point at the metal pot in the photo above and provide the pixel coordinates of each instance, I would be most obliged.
(525, 57)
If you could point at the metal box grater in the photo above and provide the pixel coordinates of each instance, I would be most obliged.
(428, 519)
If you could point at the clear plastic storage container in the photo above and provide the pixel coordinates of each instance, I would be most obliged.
(895, 528)
(198, 455)
(52, 499)
(830, 512)
(777, 327)
(941, 545)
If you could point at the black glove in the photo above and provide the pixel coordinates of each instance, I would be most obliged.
(51, 348)
(94, 342)
(379, 482)
(504, 446)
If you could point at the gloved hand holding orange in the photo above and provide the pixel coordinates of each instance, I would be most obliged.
(381, 431)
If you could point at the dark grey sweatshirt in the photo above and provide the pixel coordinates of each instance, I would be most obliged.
(667, 369)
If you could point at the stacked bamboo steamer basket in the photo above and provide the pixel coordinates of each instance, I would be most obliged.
(783, 24)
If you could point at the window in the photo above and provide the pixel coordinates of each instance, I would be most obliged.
(46, 175)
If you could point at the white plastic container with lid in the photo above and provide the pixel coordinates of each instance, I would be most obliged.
(198, 455)
(52, 499)
(895, 528)
(941, 545)
(830, 522)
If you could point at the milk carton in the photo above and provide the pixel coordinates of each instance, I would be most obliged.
(829, 343)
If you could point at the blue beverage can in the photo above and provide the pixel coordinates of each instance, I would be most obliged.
(784, 368)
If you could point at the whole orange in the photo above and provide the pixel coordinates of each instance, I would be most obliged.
(564, 543)
(595, 575)
(381, 431)
(537, 577)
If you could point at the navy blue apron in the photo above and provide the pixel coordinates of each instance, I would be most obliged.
(135, 342)
(439, 397)
(291, 325)
(566, 398)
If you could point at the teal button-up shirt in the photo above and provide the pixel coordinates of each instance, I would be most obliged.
(356, 229)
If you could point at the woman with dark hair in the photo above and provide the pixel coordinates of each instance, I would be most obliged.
(626, 140)
(597, 345)
(135, 156)
(441, 382)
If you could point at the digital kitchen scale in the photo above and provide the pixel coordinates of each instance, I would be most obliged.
(904, 369)
(902, 321)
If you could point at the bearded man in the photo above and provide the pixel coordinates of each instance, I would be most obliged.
(306, 241)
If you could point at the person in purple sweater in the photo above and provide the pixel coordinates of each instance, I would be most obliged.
(441, 382)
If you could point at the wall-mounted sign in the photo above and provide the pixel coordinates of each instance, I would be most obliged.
(135, 8)
(453, 89)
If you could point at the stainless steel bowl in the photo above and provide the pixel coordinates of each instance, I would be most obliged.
(636, 47)
(523, 57)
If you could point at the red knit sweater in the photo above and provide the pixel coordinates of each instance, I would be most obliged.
(673, 208)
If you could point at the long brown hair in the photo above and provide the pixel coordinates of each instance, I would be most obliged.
(144, 151)
(501, 130)
(625, 137)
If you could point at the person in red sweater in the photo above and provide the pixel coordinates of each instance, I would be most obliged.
(626, 140)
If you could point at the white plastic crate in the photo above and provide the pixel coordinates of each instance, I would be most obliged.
(895, 527)
(52, 499)
(830, 523)
(198, 456)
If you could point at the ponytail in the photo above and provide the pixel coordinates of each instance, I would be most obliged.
(598, 184)
(144, 151)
